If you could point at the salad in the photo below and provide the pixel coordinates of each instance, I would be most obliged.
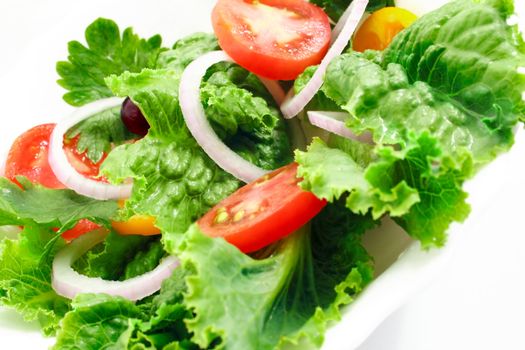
(156, 156)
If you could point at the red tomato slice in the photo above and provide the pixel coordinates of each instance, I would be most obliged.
(83, 226)
(263, 211)
(276, 39)
(28, 157)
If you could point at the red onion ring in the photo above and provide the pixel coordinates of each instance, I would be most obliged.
(334, 122)
(342, 33)
(68, 283)
(200, 128)
(65, 172)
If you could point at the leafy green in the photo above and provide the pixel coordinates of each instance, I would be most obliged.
(174, 180)
(335, 8)
(472, 57)
(111, 259)
(98, 133)
(186, 50)
(262, 304)
(56, 208)
(418, 186)
(25, 264)
(25, 278)
(99, 321)
(440, 102)
(106, 53)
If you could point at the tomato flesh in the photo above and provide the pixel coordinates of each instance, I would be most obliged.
(136, 225)
(263, 211)
(28, 157)
(378, 30)
(277, 39)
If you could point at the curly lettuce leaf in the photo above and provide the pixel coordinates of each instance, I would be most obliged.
(243, 303)
(107, 53)
(440, 102)
(418, 186)
(174, 180)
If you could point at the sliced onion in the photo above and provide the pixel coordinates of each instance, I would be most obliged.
(335, 123)
(200, 128)
(275, 89)
(68, 283)
(342, 33)
(65, 172)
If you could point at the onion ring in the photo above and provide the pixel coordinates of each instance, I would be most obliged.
(68, 283)
(65, 172)
(342, 33)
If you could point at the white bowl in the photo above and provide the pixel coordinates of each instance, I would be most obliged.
(38, 32)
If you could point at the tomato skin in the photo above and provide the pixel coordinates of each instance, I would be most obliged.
(272, 208)
(378, 30)
(83, 226)
(136, 225)
(275, 52)
(28, 157)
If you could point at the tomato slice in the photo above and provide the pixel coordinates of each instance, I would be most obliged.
(276, 39)
(263, 211)
(381, 27)
(136, 225)
(28, 157)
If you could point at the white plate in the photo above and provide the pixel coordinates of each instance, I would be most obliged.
(38, 32)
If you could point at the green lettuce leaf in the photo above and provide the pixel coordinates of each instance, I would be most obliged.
(98, 321)
(245, 303)
(186, 50)
(418, 186)
(25, 263)
(472, 57)
(25, 277)
(174, 180)
(121, 257)
(107, 53)
(101, 321)
(440, 102)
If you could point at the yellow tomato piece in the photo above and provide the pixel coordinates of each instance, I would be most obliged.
(381, 27)
(136, 225)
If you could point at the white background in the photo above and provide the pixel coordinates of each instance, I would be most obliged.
(477, 303)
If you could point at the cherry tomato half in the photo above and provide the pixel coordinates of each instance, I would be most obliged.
(276, 39)
(381, 27)
(136, 225)
(263, 211)
(28, 157)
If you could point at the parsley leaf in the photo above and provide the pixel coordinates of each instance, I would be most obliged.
(106, 53)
